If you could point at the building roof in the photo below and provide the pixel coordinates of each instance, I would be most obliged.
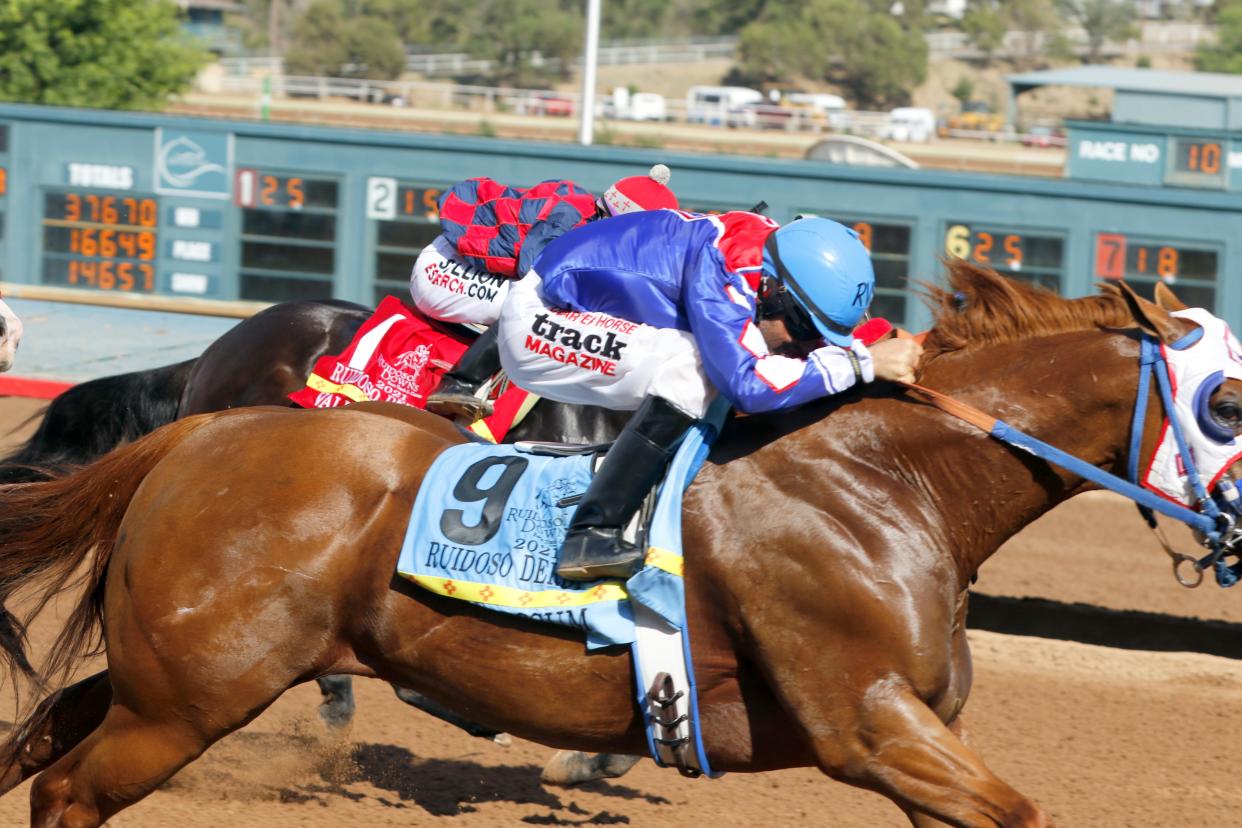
(1201, 84)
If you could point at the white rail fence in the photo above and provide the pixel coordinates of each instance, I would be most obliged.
(487, 100)
(456, 64)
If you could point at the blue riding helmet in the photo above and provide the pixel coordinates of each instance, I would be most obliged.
(823, 267)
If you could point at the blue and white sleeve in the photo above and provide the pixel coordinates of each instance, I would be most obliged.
(721, 310)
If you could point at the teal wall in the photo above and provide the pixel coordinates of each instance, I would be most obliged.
(315, 238)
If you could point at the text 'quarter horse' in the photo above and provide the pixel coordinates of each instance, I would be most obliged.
(849, 529)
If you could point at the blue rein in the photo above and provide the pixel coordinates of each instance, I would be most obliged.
(1210, 522)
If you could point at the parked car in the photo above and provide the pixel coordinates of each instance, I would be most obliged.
(545, 103)
(761, 116)
(635, 106)
(1044, 136)
(818, 109)
(909, 124)
(712, 104)
(976, 116)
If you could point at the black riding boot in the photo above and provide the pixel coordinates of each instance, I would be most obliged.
(457, 393)
(593, 546)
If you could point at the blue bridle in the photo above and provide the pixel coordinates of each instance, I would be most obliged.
(1215, 527)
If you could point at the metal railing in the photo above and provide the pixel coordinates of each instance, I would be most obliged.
(509, 100)
(1155, 37)
(451, 64)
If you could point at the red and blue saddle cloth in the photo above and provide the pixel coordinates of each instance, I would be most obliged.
(487, 526)
(399, 356)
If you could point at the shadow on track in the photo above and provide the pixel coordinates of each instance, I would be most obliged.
(1090, 624)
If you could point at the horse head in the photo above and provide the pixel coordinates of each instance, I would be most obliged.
(10, 336)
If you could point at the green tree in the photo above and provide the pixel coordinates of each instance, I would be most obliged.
(1104, 21)
(1225, 55)
(374, 50)
(964, 90)
(984, 25)
(111, 54)
(877, 55)
(318, 41)
(726, 17)
(1040, 29)
(528, 39)
(440, 25)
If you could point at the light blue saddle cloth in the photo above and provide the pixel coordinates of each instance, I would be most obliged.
(489, 520)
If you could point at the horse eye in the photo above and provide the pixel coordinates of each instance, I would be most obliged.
(1228, 414)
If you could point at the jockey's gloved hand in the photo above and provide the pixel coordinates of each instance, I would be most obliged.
(896, 359)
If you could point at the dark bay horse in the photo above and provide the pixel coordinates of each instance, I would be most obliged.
(259, 361)
(829, 551)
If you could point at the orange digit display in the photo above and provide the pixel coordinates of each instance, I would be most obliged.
(431, 200)
(1166, 263)
(983, 243)
(296, 197)
(4, 181)
(1204, 158)
(1013, 246)
(99, 240)
(267, 193)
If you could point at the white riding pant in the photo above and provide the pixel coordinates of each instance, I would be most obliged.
(597, 359)
(446, 287)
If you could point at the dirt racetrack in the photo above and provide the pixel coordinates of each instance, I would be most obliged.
(1098, 736)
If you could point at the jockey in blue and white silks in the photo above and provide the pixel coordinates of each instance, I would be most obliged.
(659, 311)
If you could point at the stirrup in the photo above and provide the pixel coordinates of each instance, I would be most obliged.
(596, 552)
(456, 404)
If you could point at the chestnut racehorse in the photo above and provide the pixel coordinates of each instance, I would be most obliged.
(829, 550)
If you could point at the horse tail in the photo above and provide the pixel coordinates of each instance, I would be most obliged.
(49, 529)
(90, 419)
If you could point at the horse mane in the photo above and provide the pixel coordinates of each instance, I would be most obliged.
(980, 307)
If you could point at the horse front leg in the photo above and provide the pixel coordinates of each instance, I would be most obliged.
(858, 708)
(958, 728)
(896, 745)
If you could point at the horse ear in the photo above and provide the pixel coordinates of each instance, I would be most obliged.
(1153, 318)
(1167, 299)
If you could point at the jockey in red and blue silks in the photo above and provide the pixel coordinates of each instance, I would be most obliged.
(490, 235)
(660, 311)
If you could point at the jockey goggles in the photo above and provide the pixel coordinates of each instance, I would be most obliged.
(780, 296)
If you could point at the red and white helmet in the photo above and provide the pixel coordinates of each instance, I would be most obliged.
(640, 192)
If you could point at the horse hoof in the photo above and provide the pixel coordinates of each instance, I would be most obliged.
(503, 740)
(567, 767)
